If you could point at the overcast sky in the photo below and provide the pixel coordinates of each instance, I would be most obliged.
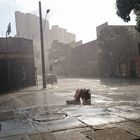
(77, 16)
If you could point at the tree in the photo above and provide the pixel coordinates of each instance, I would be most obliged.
(58, 57)
(117, 45)
(125, 7)
(59, 52)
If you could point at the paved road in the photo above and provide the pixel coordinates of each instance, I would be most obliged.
(114, 110)
(105, 92)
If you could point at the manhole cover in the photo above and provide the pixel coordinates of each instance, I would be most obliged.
(50, 117)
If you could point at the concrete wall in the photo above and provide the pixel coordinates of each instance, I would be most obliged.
(82, 62)
(16, 64)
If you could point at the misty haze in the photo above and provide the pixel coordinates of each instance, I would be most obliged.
(70, 70)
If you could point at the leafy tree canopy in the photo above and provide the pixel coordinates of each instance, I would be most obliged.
(59, 51)
(117, 44)
(124, 8)
(118, 47)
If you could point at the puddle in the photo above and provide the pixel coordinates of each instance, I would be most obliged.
(15, 127)
(100, 119)
(84, 110)
(61, 124)
(124, 109)
(82, 80)
(100, 99)
(101, 89)
(35, 111)
(113, 88)
(110, 134)
(6, 115)
(127, 112)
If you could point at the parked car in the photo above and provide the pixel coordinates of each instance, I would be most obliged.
(51, 78)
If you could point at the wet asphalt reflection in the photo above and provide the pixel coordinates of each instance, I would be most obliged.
(34, 110)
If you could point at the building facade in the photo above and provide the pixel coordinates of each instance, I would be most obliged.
(28, 26)
(81, 62)
(16, 64)
(115, 54)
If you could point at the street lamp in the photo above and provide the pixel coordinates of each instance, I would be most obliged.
(48, 10)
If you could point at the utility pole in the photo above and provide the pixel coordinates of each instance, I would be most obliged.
(42, 48)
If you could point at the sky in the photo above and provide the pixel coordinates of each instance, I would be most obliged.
(80, 17)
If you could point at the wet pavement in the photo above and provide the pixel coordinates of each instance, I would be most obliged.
(37, 114)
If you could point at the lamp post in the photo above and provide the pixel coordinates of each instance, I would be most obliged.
(42, 48)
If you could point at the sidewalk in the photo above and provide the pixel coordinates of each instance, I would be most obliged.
(67, 124)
